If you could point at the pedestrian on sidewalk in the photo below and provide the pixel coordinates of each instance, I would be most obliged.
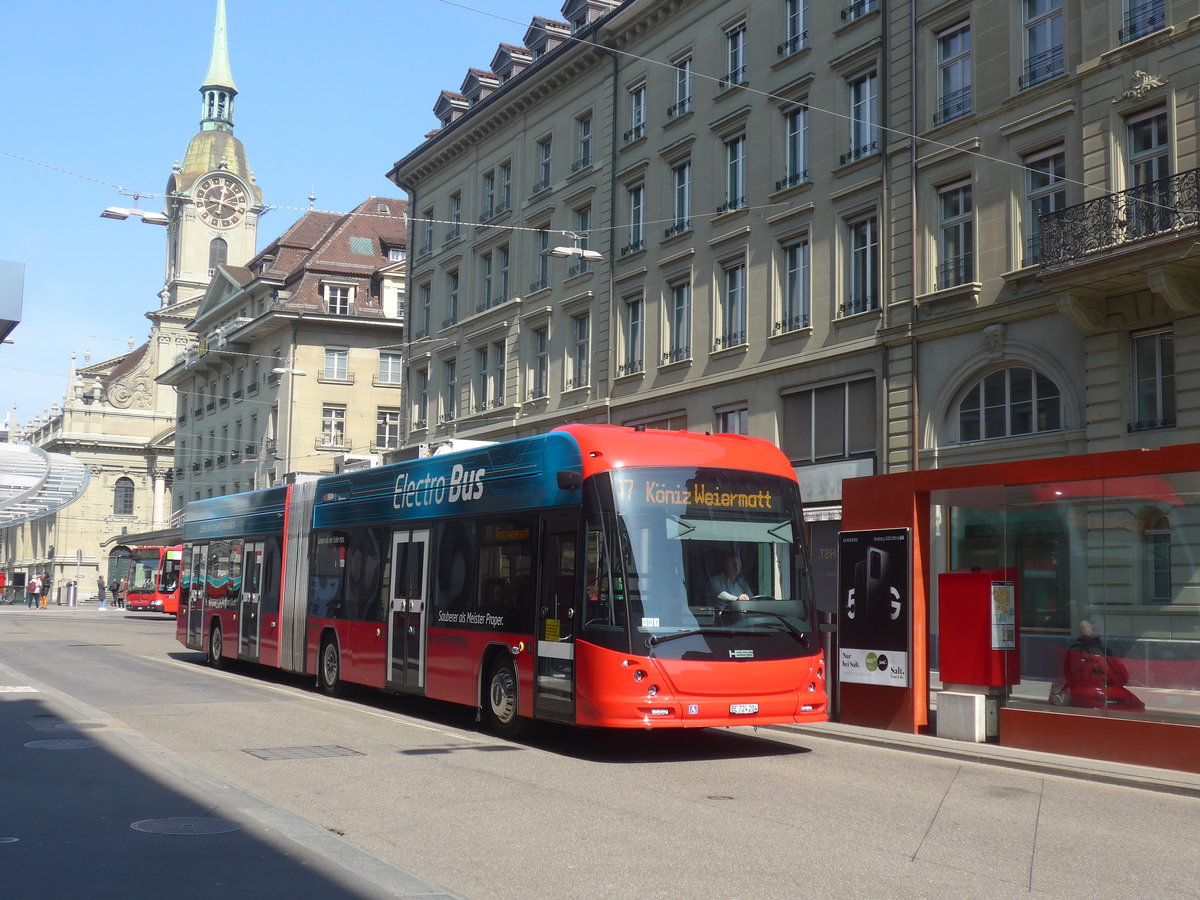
(33, 590)
(120, 592)
(100, 589)
(44, 589)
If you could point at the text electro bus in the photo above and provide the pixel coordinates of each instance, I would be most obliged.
(567, 576)
(154, 579)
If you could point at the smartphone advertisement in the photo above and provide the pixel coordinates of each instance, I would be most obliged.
(874, 610)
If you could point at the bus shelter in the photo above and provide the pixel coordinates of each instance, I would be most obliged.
(1064, 592)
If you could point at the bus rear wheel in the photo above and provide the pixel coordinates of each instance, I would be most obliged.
(214, 648)
(329, 668)
(500, 704)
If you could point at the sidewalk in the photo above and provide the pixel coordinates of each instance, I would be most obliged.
(1142, 777)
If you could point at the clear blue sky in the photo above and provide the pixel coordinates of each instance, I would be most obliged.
(329, 96)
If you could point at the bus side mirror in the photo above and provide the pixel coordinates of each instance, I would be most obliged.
(568, 480)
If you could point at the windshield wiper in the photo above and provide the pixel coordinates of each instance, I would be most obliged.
(802, 635)
(654, 639)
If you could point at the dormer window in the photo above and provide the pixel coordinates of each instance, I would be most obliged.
(339, 298)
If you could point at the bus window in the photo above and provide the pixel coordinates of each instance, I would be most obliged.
(272, 558)
(455, 587)
(366, 563)
(506, 583)
(234, 596)
(217, 578)
(604, 619)
(170, 571)
(325, 580)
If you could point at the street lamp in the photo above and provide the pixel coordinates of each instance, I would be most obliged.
(582, 252)
(121, 212)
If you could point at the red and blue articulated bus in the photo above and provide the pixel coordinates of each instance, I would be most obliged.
(154, 579)
(574, 576)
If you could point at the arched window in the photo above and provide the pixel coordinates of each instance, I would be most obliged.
(218, 253)
(1009, 402)
(123, 497)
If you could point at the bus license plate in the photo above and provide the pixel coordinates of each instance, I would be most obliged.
(742, 709)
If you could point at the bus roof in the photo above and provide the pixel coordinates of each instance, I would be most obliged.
(522, 474)
(606, 447)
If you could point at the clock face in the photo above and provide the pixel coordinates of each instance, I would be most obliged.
(222, 201)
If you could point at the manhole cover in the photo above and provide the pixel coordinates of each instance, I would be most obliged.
(63, 744)
(77, 726)
(186, 825)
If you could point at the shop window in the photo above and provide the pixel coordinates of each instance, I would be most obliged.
(1009, 402)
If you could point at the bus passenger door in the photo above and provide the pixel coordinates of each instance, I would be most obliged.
(554, 696)
(406, 613)
(252, 567)
(195, 596)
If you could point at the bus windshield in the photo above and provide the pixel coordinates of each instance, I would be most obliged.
(143, 570)
(693, 563)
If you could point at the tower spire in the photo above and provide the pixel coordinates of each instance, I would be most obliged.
(218, 89)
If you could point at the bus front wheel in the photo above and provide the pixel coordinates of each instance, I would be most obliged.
(500, 705)
(329, 668)
(214, 648)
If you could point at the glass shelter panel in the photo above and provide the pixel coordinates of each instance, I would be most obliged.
(1107, 577)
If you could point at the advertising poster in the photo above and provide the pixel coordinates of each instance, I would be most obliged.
(1004, 616)
(874, 611)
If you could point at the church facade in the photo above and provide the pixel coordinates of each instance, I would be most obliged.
(117, 418)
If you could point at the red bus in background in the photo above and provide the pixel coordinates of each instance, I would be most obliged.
(154, 579)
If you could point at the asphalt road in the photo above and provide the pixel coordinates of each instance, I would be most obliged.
(375, 796)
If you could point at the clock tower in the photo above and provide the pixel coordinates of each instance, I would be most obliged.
(212, 202)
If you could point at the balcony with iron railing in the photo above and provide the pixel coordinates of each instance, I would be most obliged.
(800, 176)
(734, 76)
(794, 44)
(1093, 228)
(680, 226)
(791, 323)
(859, 9)
(631, 367)
(955, 271)
(675, 110)
(676, 354)
(734, 203)
(856, 305)
(729, 339)
(1143, 19)
(636, 133)
(1042, 67)
(953, 105)
(860, 151)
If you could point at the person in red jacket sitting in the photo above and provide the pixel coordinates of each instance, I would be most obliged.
(1095, 678)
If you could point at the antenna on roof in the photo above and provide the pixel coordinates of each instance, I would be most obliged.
(312, 199)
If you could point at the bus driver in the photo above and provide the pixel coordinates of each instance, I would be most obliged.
(729, 584)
